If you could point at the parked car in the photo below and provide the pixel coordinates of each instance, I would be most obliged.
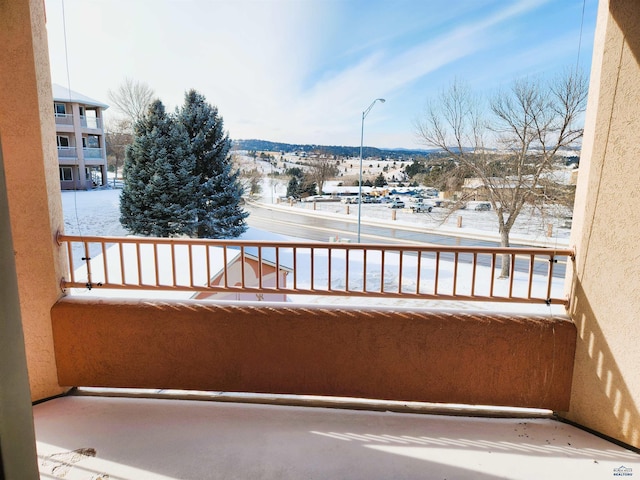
(396, 204)
(421, 206)
(482, 206)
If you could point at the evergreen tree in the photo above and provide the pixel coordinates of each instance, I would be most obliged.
(159, 188)
(293, 188)
(219, 191)
(380, 181)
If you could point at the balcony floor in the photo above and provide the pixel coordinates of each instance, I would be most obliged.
(144, 438)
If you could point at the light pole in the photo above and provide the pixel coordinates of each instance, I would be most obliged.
(364, 115)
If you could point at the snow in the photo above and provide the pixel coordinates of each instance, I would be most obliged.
(96, 213)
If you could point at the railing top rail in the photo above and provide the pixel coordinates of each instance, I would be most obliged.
(315, 244)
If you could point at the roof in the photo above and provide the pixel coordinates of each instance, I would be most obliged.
(63, 94)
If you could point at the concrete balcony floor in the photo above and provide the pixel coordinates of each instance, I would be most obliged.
(118, 438)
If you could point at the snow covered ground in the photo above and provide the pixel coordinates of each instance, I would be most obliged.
(97, 213)
(530, 228)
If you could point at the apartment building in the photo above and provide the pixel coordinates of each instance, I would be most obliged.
(80, 139)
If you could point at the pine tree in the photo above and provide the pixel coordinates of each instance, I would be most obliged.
(380, 181)
(217, 203)
(157, 198)
(293, 188)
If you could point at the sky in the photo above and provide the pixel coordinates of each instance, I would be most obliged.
(304, 71)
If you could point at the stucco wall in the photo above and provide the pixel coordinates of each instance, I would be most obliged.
(385, 354)
(31, 168)
(606, 232)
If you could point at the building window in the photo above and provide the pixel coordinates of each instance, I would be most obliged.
(62, 140)
(91, 141)
(61, 108)
(66, 174)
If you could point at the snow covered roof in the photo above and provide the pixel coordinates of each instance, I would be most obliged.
(284, 261)
(63, 94)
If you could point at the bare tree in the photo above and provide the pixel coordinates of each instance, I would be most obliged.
(117, 137)
(251, 181)
(321, 169)
(511, 147)
(132, 99)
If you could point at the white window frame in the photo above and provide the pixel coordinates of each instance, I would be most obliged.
(62, 174)
(64, 107)
(60, 137)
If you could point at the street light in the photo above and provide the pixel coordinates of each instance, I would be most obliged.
(364, 115)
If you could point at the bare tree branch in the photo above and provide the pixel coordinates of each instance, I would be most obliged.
(322, 168)
(526, 127)
(131, 99)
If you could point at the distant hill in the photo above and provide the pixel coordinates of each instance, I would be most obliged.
(342, 151)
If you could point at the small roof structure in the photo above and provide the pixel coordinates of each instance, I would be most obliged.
(63, 94)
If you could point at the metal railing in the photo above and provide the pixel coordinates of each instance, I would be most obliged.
(315, 268)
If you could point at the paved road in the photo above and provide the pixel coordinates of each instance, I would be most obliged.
(309, 225)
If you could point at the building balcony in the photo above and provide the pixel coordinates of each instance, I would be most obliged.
(93, 123)
(330, 391)
(130, 287)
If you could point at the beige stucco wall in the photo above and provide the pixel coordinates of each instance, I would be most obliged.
(400, 354)
(606, 234)
(31, 168)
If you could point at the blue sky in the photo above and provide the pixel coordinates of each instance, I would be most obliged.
(302, 71)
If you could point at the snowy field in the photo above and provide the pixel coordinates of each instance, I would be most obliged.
(531, 228)
(97, 213)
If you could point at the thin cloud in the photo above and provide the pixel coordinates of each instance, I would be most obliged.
(303, 71)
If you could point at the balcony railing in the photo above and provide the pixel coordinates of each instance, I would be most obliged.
(90, 122)
(316, 268)
(93, 152)
(64, 119)
(67, 152)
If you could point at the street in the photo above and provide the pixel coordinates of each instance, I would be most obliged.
(313, 225)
